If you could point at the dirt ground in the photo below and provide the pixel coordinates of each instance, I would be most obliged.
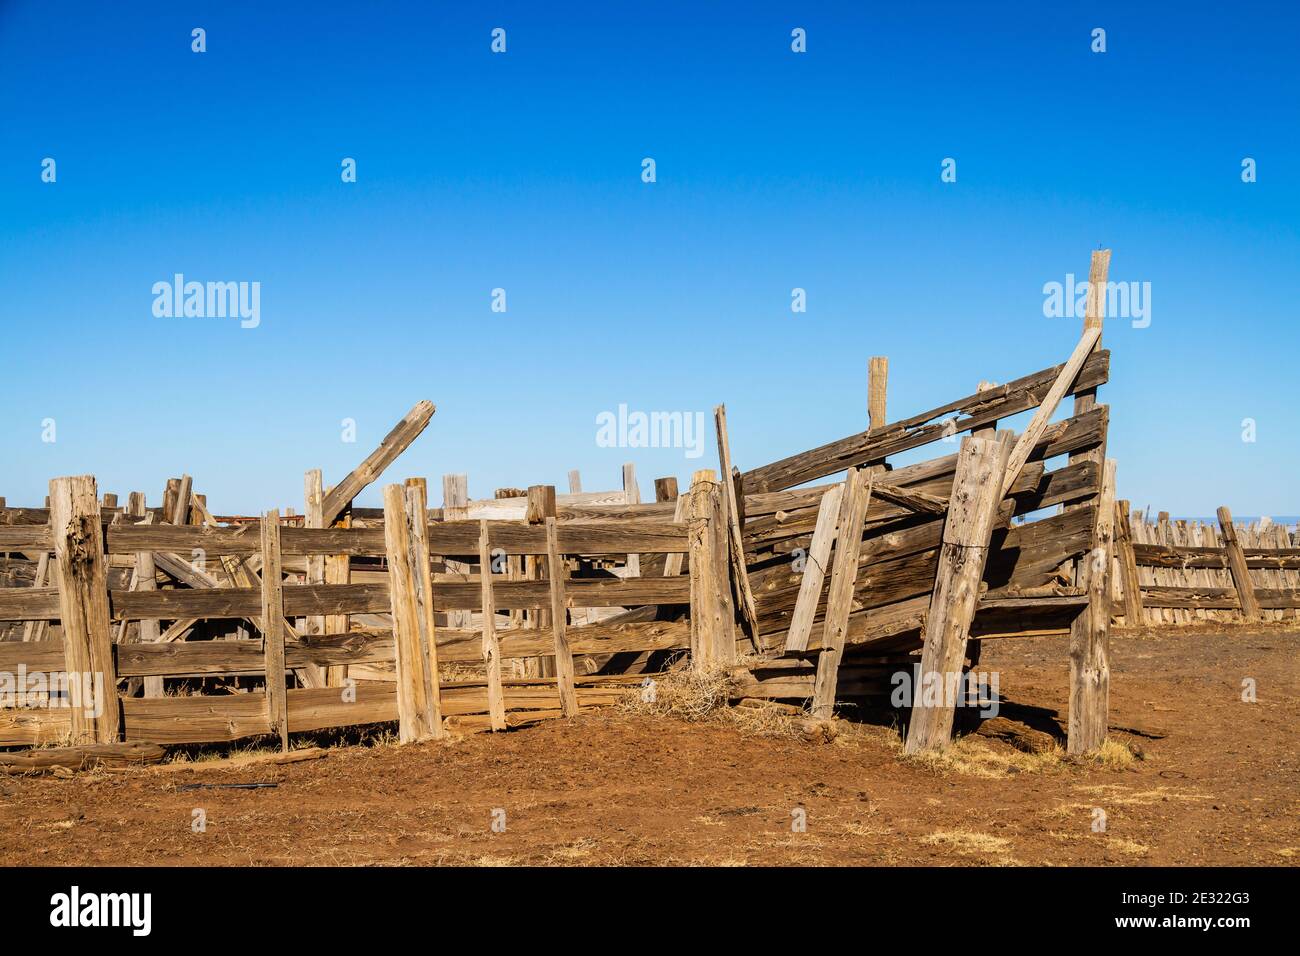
(1217, 781)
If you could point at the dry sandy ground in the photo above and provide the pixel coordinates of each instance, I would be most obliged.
(1220, 785)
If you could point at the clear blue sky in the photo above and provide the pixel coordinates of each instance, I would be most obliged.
(523, 171)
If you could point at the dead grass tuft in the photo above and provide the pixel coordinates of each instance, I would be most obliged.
(701, 695)
(974, 757)
(969, 842)
(1112, 755)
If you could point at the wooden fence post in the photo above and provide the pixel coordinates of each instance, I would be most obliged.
(412, 720)
(277, 701)
(1090, 631)
(491, 648)
(556, 573)
(839, 600)
(713, 634)
(313, 493)
(632, 495)
(877, 385)
(976, 493)
(1237, 564)
(417, 517)
(455, 500)
(1133, 613)
(79, 573)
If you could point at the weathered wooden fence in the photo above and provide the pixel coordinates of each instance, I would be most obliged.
(1182, 572)
(579, 563)
(532, 604)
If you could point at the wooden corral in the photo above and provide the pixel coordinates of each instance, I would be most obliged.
(484, 614)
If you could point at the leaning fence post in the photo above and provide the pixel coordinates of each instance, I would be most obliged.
(1133, 614)
(976, 493)
(277, 700)
(1237, 564)
(79, 573)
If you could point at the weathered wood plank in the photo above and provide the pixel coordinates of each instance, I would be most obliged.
(394, 443)
(1237, 563)
(966, 535)
(814, 571)
(839, 602)
(982, 407)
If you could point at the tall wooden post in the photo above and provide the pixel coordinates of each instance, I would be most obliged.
(976, 493)
(417, 518)
(538, 506)
(80, 575)
(277, 701)
(556, 573)
(1090, 635)
(412, 714)
(146, 573)
(877, 385)
(455, 501)
(313, 493)
(713, 627)
(1237, 565)
(491, 647)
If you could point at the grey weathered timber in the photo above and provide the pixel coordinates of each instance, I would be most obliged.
(980, 408)
(1237, 564)
(966, 533)
(556, 574)
(1090, 631)
(814, 571)
(272, 620)
(491, 649)
(394, 443)
(81, 581)
(412, 716)
(417, 521)
(733, 520)
(839, 600)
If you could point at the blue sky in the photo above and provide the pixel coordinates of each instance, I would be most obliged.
(522, 171)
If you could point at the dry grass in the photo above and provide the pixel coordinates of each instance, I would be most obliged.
(976, 757)
(969, 842)
(1113, 755)
(701, 694)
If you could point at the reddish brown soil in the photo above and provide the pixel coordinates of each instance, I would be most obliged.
(1221, 787)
